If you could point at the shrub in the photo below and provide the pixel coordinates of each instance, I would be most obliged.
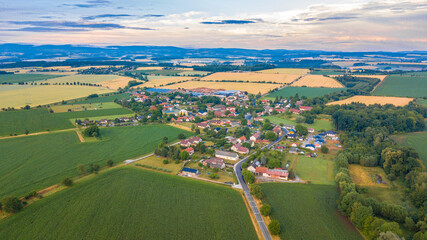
(165, 161)
(274, 227)
(67, 182)
(213, 176)
(257, 191)
(324, 149)
(31, 194)
(265, 210)
(11, 204)
(110, 163)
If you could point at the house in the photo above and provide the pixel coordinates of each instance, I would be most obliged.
(310, 130)
(242, 139)
(189, 172)
(153, 108)
(219, 114)
(293, 150)
(255, 137)
(253, 166)
(280, 110)
(310, 146)
(261, 171)
(214, 163)
(278, 173)
(203, 125)
(299, 103)
(305, 108)
(277, 130)
(292, 131)
(295, 111)
(279, 147)
(190, 142)
(227, 155)
(331, 133)
(287, 126)
(292, 136)
(294, 144)
(240, 149)
(190, 150)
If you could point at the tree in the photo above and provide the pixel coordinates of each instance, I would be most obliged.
(324, 149)
(265, 210)
(11, 204)
(291, 173)
(274, 227)
(110, 163)
(165, 140)
(93, 168)
(248, 176)
(359, 214)
(197, 131)
(181, 136)
(184, 155)
(274, 163)
(26, 132)
(420, 236)
(81, 168)
(213, 176)
(301, 130)
(68, 182)
(300, 119)
(91, 131)
(257, 191)
(270, 135)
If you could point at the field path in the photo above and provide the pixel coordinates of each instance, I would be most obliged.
(40, 133)
(79, 134)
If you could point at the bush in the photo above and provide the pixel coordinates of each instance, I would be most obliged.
(324, 149)
(181, 136)
(67, 182)
(110, 163)
(165, 161)
(265, 210)
(274, 227)
(213, 176)
(31, 194)
(257, 191)
(11, 204)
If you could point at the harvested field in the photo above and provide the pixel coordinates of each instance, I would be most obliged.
(369, 100)
(317, 81)
(253, 88)
(252, 77)
(45, 94)
(163, 81)
(109, 81)
(117, 83)
(298, 71)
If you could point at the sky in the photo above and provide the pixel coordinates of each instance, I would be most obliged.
(331, 25)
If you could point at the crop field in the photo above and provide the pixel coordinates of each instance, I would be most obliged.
(317, 81)
(403, 86)
(141, 205)
(297, 71)
(328, 72)
(17, 78)
(109, 117)
(108, 81)
(120, 82)
(316, 170)
(253, 88)
(36, 162)
(102, 99)
(164, 72)
(252, 77)
(422, 102)
(417, 140)
(45, 94)
(369, 100)
(307, 211)
(193, 73)
(380, 77)
(302, 91)
(163, 81)
(84, 107)
(319, 124)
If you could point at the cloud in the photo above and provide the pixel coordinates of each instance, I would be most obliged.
(89, 4)
(229, 22)
(152, 15)
(73, 25)
(46, 29)
(339, 18)
(107, 16)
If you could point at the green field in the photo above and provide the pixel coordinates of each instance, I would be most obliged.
(318, 124)
(302, 91)
(109, 117)
(164, 72)
(403, 86)
(193, 73)
(316, 170)
(128, 203)
(84, 107)
(36, 162)
(307, 211)
(94, 79)
(422, 102)
(328, 72)
(17, 78)
(109, 98)
(416, 140)
(39, 119)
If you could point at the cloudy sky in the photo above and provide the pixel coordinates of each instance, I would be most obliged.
(344, 25)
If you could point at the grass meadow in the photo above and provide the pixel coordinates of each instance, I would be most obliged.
(316, 170)
(36, 162)
(101, 99)
(319, 124)
(302, 91)
(403, 86)
(129, 203)
(416, 140)
(307, 211)
(18, 78)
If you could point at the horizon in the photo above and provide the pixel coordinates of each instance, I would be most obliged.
(329, 25)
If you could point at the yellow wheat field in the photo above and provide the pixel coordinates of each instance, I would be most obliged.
(252, 77)
(369, 100)
(117, 83)
(159, 82)
(317, 81)
(298, 71)
(253, 88)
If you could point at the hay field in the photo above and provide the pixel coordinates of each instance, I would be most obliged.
(317, 81)
(299, 71)
(253, 88)
(45, 94)
(117, 83)
(369, 100)
(108, 81)
(252, 77)
(163, 81)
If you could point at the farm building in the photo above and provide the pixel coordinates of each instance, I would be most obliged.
(261, 171)
(214, 163)
(278, 173)
(227, 155)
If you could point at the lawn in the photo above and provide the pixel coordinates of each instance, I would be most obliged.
(36, 162)
(319, 124)
(155, 161)
(307, 211)
(18, 78)
(315, 170)
(416, 140)
(39, 119)
(45, 94)
(128, 203)
(302, 91)
(403, 86)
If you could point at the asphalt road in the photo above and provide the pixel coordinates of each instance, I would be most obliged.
(255, 210)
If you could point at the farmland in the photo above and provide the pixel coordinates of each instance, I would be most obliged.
(36, 162)
(253, 88)
(140, 205)
(193, 73)
(252, 77)
(403, 86)
(369, 100)
(109, 81)
(164, 81)
(84, 107)
(109, 117)
(46, 94)
(302, 91)
(298, 71)
(307, 211)
(319, 124)
(317, 81)
(18, 78)
(416, 140)
(102, 99)
(164, 72)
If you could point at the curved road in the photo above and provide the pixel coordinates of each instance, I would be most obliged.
(255, 210)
